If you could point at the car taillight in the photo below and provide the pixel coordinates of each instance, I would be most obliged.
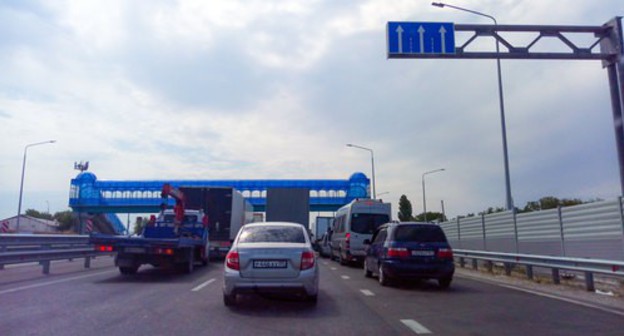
(166, 251)
(445, 253)
(307, 260)
(232, 261)
(104, 248)
(347, 240)
(397, 252)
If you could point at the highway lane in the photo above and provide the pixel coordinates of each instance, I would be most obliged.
(99, 301)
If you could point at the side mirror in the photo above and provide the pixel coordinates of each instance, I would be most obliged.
(366, 242)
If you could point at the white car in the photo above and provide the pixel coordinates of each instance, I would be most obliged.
(271, 257)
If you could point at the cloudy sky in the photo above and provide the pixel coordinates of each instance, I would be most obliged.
(275, 89)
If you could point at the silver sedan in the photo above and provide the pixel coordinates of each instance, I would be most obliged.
(271, 257)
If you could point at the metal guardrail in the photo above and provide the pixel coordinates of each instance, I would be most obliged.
(23, 248)
(585, 265)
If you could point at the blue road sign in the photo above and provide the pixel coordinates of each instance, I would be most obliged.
(420, 38)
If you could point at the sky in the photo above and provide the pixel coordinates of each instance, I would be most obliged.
(264, 89)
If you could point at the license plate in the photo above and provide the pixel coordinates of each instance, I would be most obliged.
(269, 264)
(134, 250)
(421, 253)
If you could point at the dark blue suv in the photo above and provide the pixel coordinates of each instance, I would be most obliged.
(409, 250)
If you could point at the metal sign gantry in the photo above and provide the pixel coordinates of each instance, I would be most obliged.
(608, 47)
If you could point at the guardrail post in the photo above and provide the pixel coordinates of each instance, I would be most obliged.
(529, 272)
(46, 266)
(475, 264)
(508, 269)
(87, 263)
(589, 281)
(555, 276)
(490, 266)
(462, 262)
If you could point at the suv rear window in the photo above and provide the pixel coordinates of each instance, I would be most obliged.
(419, 234)
(367, 223)
(272, 234)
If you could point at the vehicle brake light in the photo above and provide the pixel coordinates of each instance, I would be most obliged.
(104, 248)
(167, 251)
(307, 260)
(445, 253)
(398, 252)
(232, 261)
(348, 240)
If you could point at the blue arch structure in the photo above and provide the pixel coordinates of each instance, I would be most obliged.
(88, 194)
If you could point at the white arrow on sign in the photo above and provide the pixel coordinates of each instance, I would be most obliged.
(421, 33)
(442, 34)
(399, 31)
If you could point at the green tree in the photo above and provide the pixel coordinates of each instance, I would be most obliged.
(405, 209)
(431, 217)
(66, 219)
(36, 214)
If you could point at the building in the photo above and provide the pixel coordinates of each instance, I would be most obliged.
(28, 225)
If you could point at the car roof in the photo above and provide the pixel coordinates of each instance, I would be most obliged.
(274, 224)
(393, 224)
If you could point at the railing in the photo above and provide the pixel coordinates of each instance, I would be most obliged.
(509, 260)
(22, 248)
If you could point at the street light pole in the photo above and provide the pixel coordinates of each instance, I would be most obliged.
(372, 164)
(509, 199)
(423, 189)
(19, 204)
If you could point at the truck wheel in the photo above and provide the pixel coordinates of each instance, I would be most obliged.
(204, 257)
(190, 265)
(130, 270)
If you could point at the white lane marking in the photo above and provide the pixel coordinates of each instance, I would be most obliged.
(333, 268)
(17, 289)
(416, 327)
(367, 292)
(550, 296)
(203, 285)
(346, 277)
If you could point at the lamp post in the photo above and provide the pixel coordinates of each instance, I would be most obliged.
(509, 199)
(19, 204)
(423, 188)
(372, 164)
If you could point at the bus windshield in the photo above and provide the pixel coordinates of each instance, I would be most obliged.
(367, 223)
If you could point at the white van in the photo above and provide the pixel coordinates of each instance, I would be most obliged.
(353, 223)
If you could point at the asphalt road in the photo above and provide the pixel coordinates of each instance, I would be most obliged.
(99, 301)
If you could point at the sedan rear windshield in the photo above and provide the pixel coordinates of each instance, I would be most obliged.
(367, 223)
(419, 234)
(272, 234)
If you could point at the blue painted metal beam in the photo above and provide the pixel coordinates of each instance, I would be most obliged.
(91, 195)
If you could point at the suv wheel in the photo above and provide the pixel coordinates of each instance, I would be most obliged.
(383, 278)
(445, 283)
(367, 273)
(341, 260)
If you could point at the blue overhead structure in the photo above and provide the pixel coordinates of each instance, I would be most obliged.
(88, 194)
